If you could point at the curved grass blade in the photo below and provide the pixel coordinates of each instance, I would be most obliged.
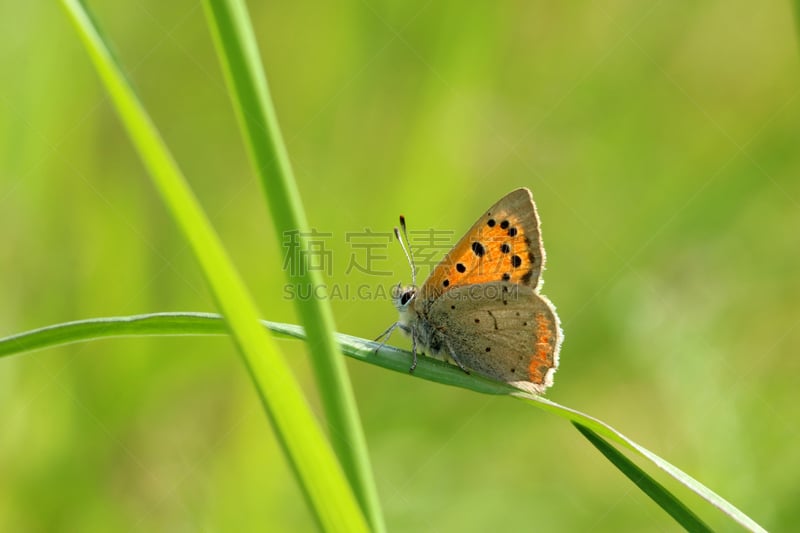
(357, 348)
(655, 490)
(601, 428)
(310, 455)
(238, 51)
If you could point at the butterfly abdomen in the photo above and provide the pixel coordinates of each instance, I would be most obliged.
(427, 336)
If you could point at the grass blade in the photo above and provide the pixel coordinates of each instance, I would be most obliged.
(655, 490)
(311, 457)
(364, 350)
(601, 428)
(236, 45)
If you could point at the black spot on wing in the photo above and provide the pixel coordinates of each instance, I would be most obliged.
(526, 277)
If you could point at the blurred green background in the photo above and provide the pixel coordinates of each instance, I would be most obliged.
(659, 140)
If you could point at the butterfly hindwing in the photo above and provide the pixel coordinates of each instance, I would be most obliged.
(501, 329)
(503, 245)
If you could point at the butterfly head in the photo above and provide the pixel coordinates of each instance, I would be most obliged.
(402, 296)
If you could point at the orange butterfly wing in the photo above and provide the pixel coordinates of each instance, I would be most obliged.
(503, 245)
(517, 326)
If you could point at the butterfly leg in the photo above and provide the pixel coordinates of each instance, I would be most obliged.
(385, 336)
(455, 357)
(414, 353)
(388, 333)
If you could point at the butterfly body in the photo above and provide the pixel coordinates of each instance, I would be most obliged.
(481, 306)
(415, 322)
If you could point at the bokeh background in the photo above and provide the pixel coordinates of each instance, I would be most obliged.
(660, 142)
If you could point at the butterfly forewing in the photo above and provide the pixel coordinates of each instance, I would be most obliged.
(503, 330)
(503, 245)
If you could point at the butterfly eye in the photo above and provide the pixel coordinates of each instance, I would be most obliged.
(405, 298)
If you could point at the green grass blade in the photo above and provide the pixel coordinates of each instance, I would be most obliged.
(655, 490)
(311, 457)
(236, 45)
(612, 434)
(364, 350)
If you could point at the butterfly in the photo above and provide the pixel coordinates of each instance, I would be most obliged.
(481, 307)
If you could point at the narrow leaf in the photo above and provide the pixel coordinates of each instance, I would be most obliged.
(300, 435)
(657, 492)
(238, 51)
(362, 350)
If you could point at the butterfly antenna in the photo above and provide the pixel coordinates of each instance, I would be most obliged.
(406, 249)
